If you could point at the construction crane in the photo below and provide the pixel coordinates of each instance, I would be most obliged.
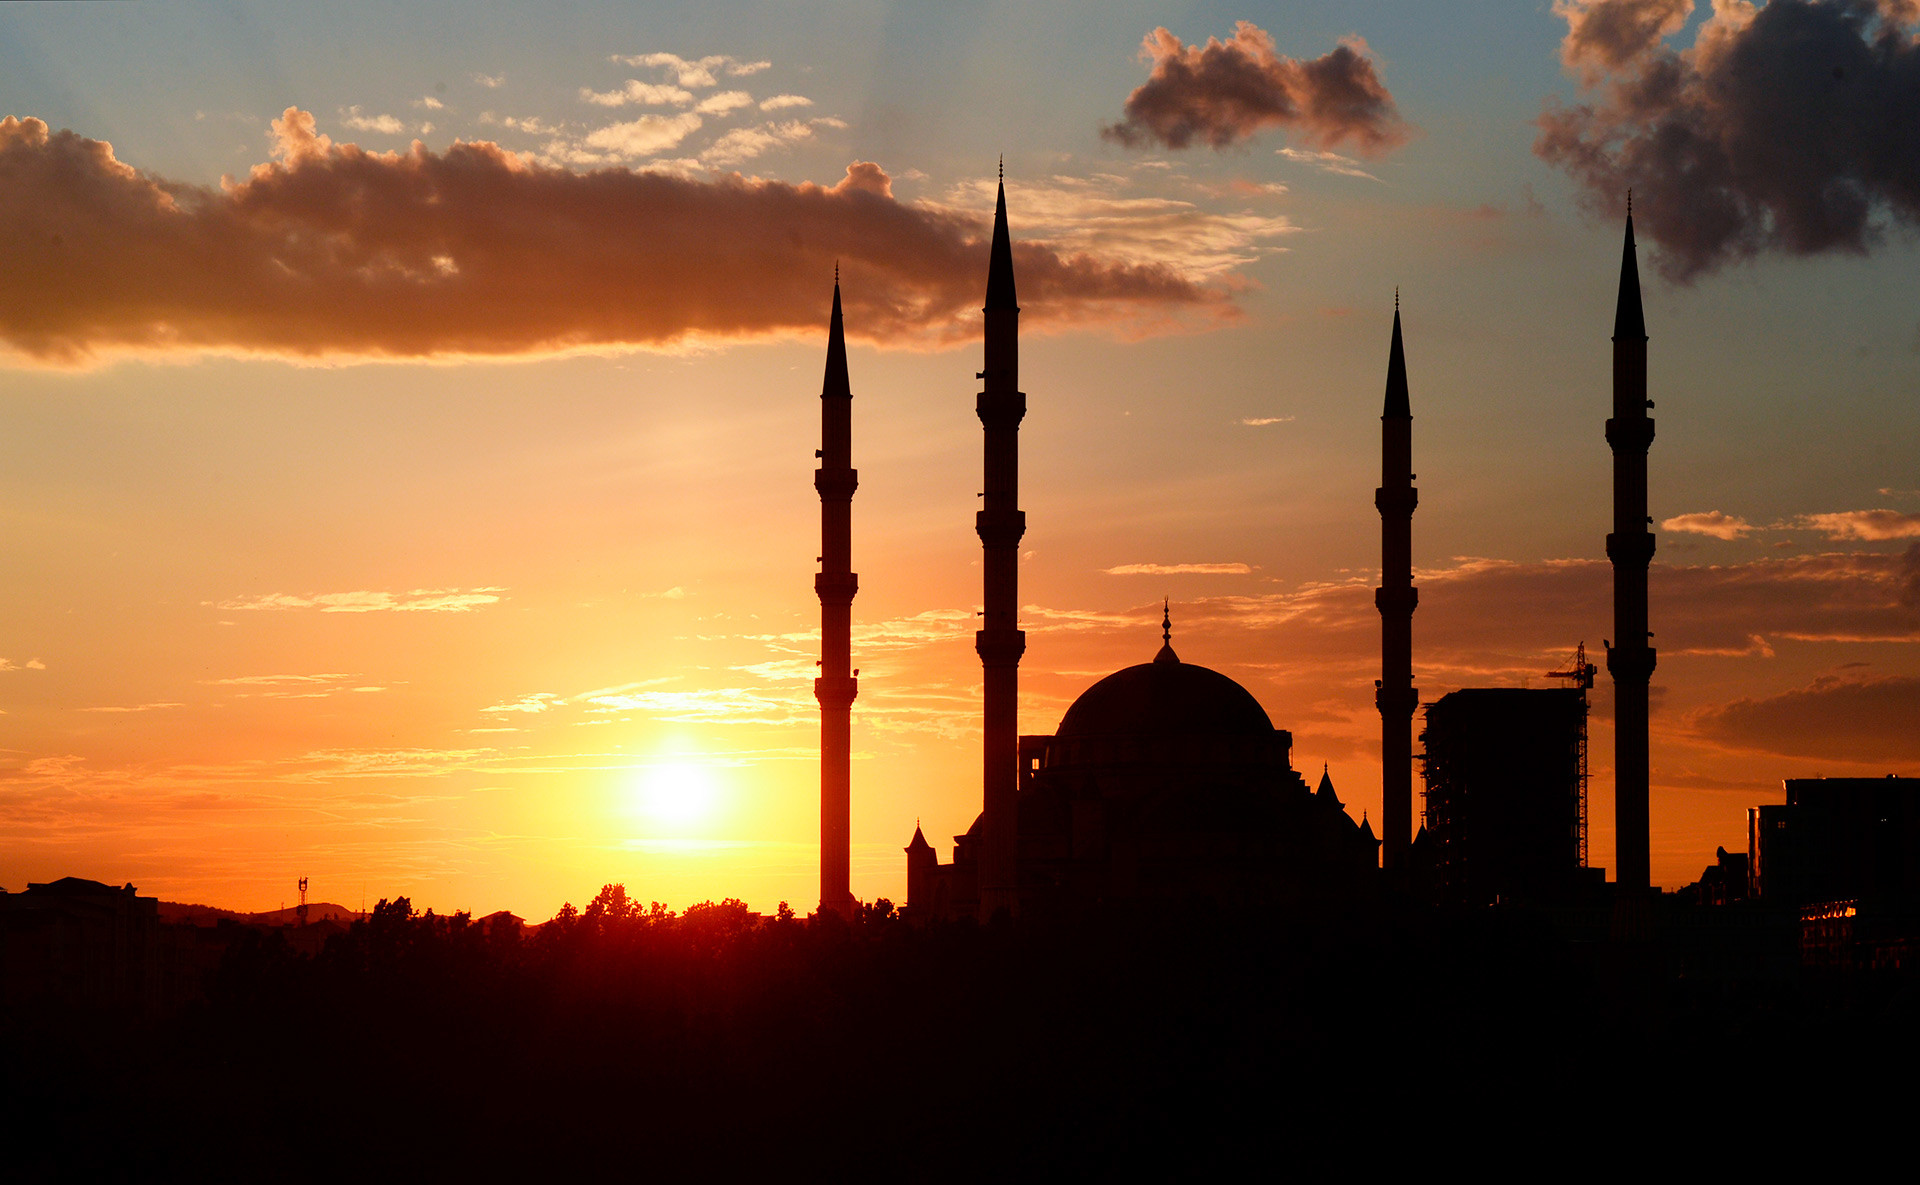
(300, 911)
(1580, 675)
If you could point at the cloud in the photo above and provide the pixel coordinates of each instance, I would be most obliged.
(539, 701)
(1851, 719)
(490, 81)
(645, 136)
(384, 124)
(724, 102)
(420, 600)
(1484, 618)
(1712, 522)
(698, 72)
(643, 94)
(1605, 35)
(1326, 162)
(1178, 570)
(377, 763)
(1227, 91)
(743, 144)
(1264, 421)
(779, 102)
(714, 705)
(1861, 524)
(1787, 128)
(32, 664)
(291, 686)
(1109, 217)
(333, 250)
(135, 708)
(532, 124)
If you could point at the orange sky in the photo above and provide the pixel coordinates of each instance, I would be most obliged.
(438, 520)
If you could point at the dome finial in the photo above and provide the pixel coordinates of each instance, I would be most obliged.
(1166, 633)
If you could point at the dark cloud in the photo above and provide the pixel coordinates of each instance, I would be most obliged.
(1793, 127)
(1498, 621)
(1860, 524)
(1223, 92)
(1310, 654)
(1846, 719)
(330, 249)
(1909, 579)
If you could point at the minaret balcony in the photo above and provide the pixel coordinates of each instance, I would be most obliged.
(1001, 409)
(1384, 699)
(1396, 500)
(1396, 600)
(1625, 663)
(836, 588)
(1635, 549)
(1000, 528)
(836, 483)
(1635, 432)
(1000, 647)
(836, 694)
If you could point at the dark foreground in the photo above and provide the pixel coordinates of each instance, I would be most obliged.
(716, 1044)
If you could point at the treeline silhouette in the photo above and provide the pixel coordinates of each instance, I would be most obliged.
(714, 1041)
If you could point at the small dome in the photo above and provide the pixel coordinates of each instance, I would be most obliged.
(1164, 698)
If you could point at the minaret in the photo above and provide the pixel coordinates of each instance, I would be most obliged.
(1000, 522)
(1630, 546)
(1396, 597)
(836, 584)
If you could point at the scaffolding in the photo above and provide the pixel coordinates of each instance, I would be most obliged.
(1580, 675)
(1504, 795)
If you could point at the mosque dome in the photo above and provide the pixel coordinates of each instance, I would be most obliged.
(1167, 713)
(1165, 697)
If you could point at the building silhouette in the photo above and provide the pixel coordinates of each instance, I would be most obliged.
(77, 941)
(1630, 658)
(1166, 783)
(1837, 839)
(1396, 598)
(1503, 777)
(836, 584)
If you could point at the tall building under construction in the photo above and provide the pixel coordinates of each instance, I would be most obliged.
(1505, 774)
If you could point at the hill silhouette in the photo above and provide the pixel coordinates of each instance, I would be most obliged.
(180, 914)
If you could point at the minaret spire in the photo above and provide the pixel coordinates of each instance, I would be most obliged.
(1628, 319)
(1001, 524)
(836, 584)
(1000, 294)
(1394, 694)
(1166, 633)
(1630, 659)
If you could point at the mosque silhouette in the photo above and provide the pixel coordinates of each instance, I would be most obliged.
(1167, 782)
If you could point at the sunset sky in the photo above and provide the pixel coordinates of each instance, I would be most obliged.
(409, 413)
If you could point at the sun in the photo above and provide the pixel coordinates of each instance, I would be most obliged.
(677, 792)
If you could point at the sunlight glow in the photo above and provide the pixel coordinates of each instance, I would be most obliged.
(678, 792)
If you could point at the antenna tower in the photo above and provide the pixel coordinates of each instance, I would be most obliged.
(300, 911)
(1580, 675)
